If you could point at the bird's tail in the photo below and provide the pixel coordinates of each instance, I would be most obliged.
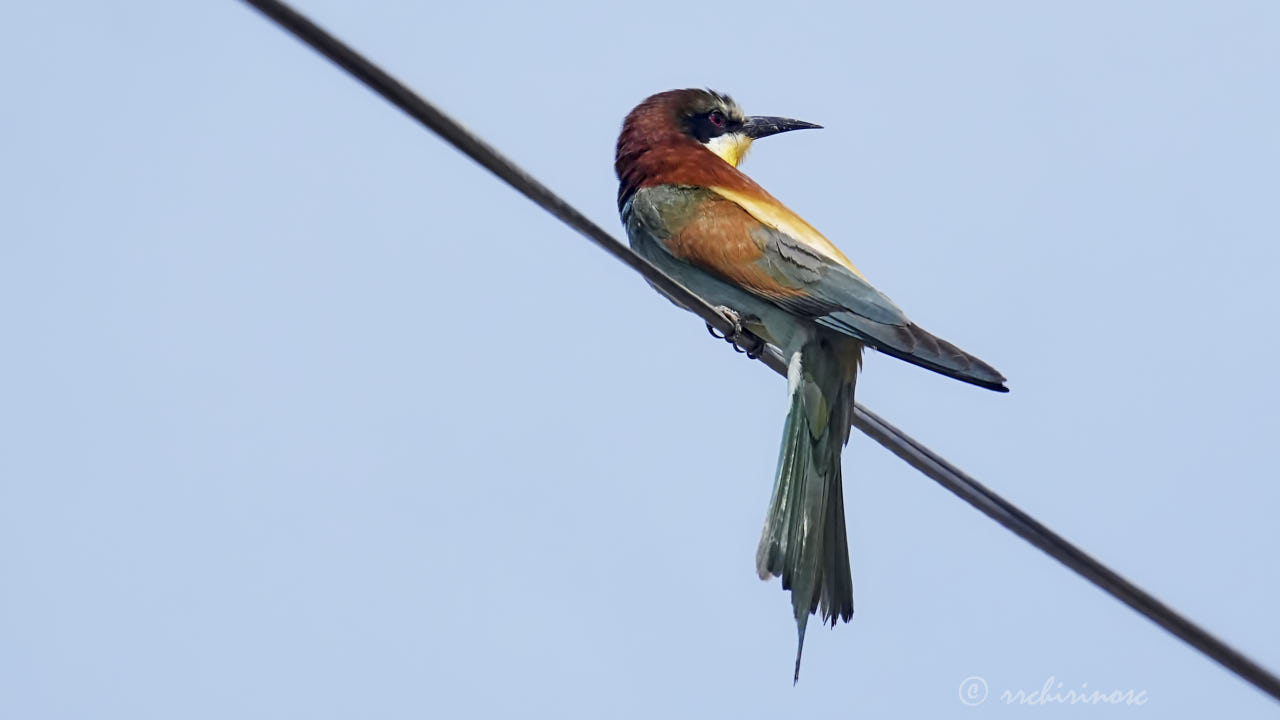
(804, 534)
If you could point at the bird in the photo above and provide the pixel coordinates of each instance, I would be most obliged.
(691, 212)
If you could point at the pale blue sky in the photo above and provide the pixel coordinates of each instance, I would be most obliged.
(306, 416)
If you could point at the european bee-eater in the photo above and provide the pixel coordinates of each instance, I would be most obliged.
(690, 211)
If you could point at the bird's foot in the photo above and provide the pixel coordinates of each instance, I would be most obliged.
(742, 340)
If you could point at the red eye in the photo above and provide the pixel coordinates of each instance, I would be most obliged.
(716, 118)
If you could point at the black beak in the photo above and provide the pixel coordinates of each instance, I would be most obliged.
(758, 126)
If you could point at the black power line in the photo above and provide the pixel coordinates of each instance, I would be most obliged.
(897, 442)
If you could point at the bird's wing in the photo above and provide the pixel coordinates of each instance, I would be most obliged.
(765, 249)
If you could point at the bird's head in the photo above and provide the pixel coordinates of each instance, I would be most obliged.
(716, 121)
(709, 118)
(678, 133)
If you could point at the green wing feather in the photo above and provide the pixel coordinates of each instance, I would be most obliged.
(840, 300)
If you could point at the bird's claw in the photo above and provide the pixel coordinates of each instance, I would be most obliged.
(742, 340)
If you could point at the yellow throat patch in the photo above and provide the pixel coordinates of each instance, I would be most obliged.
(730, 147)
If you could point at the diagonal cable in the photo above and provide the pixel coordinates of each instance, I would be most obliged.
(875, 427)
